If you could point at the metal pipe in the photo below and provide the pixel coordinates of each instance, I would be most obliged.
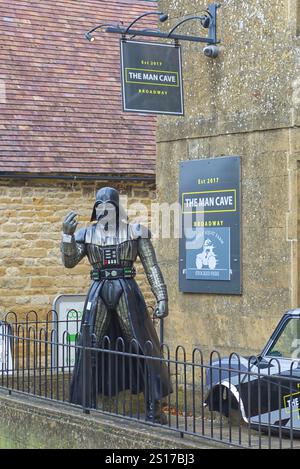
(180, 37)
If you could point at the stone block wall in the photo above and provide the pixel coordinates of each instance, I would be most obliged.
(32, 211)
(244, 103)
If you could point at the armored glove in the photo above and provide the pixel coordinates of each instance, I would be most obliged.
(161, 310)
(70, 224)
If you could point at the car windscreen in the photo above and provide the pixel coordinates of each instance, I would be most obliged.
(287, 344)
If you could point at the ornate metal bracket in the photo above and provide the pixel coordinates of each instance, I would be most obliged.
(208, 21)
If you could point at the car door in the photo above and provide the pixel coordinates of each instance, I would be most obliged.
(273, 398)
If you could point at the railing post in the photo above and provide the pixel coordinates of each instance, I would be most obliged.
(86, 368)
(161, 331)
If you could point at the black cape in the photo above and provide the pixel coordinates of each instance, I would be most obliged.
(111, 373)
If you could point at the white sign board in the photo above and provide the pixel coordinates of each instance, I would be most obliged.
(69, 309)
(5, 349)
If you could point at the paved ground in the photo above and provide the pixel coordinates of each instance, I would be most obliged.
(237, 435)
(219, 432)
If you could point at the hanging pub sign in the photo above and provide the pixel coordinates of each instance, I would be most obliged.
(151, 78)
(210, 260)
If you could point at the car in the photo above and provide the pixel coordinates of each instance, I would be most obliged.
(263, 389)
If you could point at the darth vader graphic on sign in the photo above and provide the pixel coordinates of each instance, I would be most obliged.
(210, 259)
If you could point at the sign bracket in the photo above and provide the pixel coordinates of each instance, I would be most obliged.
(208, 21)
(152, 71)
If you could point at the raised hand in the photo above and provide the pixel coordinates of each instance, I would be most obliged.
(70, 224)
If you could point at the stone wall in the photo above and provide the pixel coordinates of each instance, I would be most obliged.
(31, 271)
(244, 103)
(27, 423)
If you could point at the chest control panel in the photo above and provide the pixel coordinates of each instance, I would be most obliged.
(110, 256)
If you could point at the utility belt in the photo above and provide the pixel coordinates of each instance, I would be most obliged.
(113, 274)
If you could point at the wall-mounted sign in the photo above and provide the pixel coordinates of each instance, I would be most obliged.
(210, 260)
(69, 311)
(151, 78)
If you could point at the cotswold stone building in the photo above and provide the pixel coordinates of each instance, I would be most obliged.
(63, 135)
(244, 103)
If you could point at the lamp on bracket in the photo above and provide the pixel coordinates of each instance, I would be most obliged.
(205, 20)
(162, 18)
(89, 35)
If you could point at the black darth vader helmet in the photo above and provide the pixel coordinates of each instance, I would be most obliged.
(108, 195)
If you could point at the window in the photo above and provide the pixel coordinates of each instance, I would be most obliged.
(288, 343)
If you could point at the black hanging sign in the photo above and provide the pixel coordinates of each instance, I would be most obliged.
(151, 78)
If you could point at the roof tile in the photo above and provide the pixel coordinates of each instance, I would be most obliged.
(63, 109)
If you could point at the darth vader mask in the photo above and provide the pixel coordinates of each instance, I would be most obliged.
(107, 206)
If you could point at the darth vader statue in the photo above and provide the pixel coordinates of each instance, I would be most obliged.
(115, 307)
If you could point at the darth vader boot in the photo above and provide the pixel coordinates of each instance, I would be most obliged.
(154, 413)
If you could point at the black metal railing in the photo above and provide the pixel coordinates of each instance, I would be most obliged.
(253, 402)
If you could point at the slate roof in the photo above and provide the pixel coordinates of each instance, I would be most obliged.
(63, 110)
